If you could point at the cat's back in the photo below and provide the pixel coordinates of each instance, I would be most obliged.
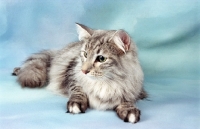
(69, 51)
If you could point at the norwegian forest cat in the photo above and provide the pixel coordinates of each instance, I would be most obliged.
(100, 71)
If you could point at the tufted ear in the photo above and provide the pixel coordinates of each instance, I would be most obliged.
(83, 31)
(122, 40)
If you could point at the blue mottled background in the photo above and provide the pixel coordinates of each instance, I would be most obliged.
(168, 39)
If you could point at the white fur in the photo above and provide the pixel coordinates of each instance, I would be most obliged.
(74, 109)
(132, 118)
(99, 91)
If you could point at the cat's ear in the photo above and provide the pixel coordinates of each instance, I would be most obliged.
(83, 31)
(122, 40)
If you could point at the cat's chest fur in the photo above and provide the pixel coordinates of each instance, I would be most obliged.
(100, 94)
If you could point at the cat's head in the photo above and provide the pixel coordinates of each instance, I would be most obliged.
(102, 51)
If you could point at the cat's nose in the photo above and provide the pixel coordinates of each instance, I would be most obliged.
(85, 71)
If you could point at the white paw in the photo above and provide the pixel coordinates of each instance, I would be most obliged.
(132, 118)
(74, 108)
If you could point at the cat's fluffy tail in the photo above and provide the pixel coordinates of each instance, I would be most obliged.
(34, 71)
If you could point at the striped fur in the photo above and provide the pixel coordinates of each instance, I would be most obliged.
(76, 72)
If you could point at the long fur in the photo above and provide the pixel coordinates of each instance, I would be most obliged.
(113, 84)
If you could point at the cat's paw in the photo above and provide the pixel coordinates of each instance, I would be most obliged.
(130, 114)
(76, 107)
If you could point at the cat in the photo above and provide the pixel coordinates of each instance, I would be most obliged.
(100, 71)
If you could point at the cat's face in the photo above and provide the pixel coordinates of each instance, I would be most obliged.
(99, 55)
(102, 51)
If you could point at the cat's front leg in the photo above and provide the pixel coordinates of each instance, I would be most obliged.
(127, 112)
(78, 101)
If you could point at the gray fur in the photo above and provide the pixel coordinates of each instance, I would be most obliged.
(75, 72)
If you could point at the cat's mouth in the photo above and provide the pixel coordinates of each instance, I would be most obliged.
(95, 74)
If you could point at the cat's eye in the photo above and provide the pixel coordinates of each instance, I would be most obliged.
(85, 54)
(101, 58)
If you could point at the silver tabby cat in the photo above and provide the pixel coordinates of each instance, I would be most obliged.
(100, 71)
